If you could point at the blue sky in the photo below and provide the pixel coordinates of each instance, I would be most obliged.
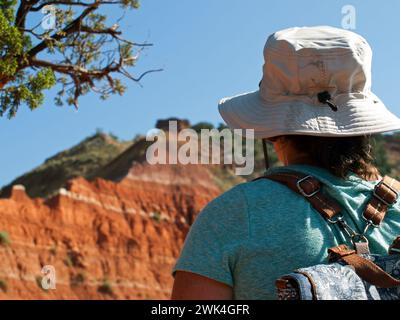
(208, 49)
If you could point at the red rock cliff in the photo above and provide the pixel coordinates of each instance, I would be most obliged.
(105, 239)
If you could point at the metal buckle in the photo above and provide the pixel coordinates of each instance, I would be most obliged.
(395, 250)
(383, 200)
(337, 220)
(359, 238)
(307, 195)
(370, 223)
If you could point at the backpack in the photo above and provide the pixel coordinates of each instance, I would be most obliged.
(352, 273)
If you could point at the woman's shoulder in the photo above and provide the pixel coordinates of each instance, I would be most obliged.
(240, 193)
(232, 201)
(238, 201)
(263, 190)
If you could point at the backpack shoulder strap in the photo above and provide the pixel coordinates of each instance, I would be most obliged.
(310, 188)
(365, 268)
(386, 193)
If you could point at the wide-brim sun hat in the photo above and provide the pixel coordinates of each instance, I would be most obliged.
(316, 81)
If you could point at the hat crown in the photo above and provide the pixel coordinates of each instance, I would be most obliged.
(316, 81)
(305, 61)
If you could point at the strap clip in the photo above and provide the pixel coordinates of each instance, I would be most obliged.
(301, 190)
(396, 197)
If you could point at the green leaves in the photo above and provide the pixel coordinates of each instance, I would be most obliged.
(8, 9)
(11, 46)
(30, 92)
(131, 3)
(83, 53)
(380, 154)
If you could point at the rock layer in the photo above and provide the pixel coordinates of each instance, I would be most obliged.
(105, 239)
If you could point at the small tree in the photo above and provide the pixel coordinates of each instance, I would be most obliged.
(3, 285)
(4, 238)
(380, 154)
(105, 287)
(202, 125)
(77, 49)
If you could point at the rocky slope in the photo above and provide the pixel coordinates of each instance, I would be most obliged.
(81, 160)
(112, 230)
(105, 239)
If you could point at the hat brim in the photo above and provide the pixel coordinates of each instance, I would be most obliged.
(355, 116)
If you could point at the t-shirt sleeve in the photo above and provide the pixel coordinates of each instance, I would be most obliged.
(212, 244)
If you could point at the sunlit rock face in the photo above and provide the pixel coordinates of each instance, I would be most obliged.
(105, 239)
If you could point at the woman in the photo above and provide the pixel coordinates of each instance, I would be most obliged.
(315, 104)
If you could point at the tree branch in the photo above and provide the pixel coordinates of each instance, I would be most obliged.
(72, 3)
(70, 28)
(111, 31)
(85, 54)
(23, 9)
(81, 76)
(70, 68)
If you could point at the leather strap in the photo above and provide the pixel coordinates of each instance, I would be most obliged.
(366, 269)
(385, 194)
(310, 188)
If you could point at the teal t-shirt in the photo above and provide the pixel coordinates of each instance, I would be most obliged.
(257, 231)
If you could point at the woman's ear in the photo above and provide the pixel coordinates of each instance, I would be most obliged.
(279, 146)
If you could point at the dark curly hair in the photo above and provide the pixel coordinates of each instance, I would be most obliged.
(340, 155)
